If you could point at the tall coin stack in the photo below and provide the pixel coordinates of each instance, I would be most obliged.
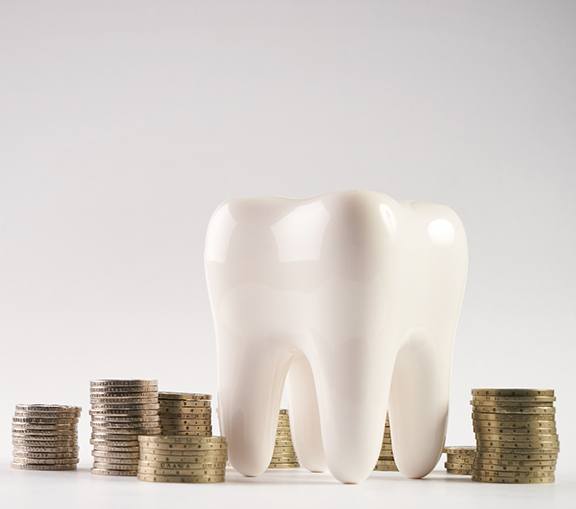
(459, 460)
(386, 461)
(121, 410)
(516, 435)
(184, 459)
(185, 414)
(284, 455)
(45, 437)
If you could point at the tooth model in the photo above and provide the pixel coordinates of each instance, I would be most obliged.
(354, 298)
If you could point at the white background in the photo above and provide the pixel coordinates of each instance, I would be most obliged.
(124, 123)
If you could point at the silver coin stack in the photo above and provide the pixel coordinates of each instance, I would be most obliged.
(121, 410)
(45, 437)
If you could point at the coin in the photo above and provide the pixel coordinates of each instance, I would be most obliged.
(192, 421)
(45, 434)
(109, 465)
(185, 479)
(109, 454)
(492, 479)
(512, 475)
(513, 393)
(121, 383)
(216, 440)
(48, 408)
(187, 463)
(197, 470)
(26, 449)
(100, 442)
(44, 455)
(44, 461)
(29, 466)
(523, 410)
(532, 419)
(182, 404)
(107, 471)
(184, 396)
(123, 407)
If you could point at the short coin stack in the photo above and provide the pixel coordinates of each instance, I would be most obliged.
(185, 414)
(121, 410)
(184, 459)
(515, 435)
(45, 437)
(459, 460)
(284, 455)
(386, 461)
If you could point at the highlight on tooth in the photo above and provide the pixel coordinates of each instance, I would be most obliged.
(350, 300)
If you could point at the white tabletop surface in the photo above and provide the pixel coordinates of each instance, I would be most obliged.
(292, 489)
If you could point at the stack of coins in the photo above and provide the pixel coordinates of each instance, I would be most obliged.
(190, 459)
(459, 460)
(45, 437)
(516, 435)
(386, 461)
(185, 414)
(284, 455)
(121, 410)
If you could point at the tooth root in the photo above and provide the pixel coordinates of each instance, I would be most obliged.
(353, 384)
(250, 386)
(304, 416)
(419, 406)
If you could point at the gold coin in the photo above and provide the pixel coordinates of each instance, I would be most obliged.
(492, 447)
(462, 449)
(284, 465)
(186, 421)
(187, 463)
(171, 440)
(182, 478)
(515, 455)
(534, 410)
(517, 418)
(164, 458)
(497, 428)
(505, 461)
(386, 468)
(513, 392)
(512, 437)
(180, 404)
(504, 480)
(496, 400)
(184, 396)
(515, 468)
(513, 475)
(197, 470)
(109, 471)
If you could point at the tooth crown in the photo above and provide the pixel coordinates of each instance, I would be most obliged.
(357, 297)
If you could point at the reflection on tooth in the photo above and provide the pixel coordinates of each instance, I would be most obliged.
(357, 297)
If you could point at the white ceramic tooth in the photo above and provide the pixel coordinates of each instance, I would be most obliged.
(358, 293)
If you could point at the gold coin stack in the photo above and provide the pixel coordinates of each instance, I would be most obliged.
(284, 455)
(459, 460)
(185, 459)
(516, 439)
(45, 437)
(185, 414)
(386, 461)
(121, 410)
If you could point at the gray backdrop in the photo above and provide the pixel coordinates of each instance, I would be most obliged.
(124, 123)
